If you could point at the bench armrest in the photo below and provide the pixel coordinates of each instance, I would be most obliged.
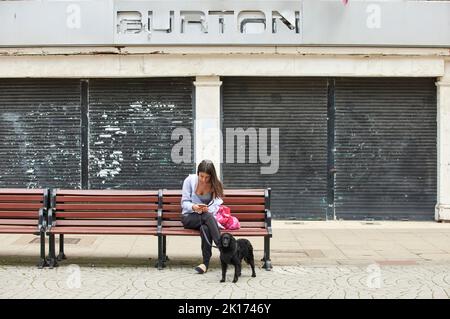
(42, 223)
(159, 225)
(268, 221)
(51, 219)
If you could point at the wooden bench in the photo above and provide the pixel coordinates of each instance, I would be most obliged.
(99, 212)
(250, 206)
(23, 211)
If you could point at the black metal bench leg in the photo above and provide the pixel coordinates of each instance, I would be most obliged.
(160, 263)
(267, 263)
(61, 254)
(166, 258)
(52, 255)
(43, 262)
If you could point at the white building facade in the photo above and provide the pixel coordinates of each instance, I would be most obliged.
(341, 122)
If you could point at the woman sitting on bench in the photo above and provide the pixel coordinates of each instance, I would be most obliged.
(201, 198)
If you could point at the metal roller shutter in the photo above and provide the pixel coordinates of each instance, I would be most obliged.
(40, 133)
(130, 127)
(385, 148)
(298, 107)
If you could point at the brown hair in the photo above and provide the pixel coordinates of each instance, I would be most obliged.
(207, 166)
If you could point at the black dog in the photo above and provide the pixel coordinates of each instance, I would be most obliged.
(232, 252)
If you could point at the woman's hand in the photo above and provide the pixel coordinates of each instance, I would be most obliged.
(200, 209)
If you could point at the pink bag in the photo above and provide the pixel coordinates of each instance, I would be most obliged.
(224, 218)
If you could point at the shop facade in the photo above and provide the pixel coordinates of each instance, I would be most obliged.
(348, 128)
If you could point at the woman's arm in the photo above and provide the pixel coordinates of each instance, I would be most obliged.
(186, 197)
(214, 207)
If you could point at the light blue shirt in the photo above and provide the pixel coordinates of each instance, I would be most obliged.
(189, 197)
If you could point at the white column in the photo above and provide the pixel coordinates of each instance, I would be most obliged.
(442, 211)
(207, 120)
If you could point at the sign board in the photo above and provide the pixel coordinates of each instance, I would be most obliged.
(215, 22)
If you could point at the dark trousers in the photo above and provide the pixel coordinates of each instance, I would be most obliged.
(208, 226)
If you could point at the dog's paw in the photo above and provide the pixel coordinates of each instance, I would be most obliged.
(222, 280)
(235, 280)
(253, 275)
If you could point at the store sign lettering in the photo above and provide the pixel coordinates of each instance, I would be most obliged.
(194, 22)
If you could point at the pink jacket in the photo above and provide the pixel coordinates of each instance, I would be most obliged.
(225, 220)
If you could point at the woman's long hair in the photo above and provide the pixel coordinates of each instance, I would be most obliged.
(207, 166)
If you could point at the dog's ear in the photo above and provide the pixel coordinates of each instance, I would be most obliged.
(233, 241)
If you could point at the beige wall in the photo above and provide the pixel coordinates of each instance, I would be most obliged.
(207, 64)
(442, 211)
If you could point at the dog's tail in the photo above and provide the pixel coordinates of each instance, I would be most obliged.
(249, 258)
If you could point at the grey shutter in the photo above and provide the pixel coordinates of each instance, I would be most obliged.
(131, 123)
(298, 107)
(40, 133)
(385, 148)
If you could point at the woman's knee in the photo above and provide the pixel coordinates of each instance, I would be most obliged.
(208, 217)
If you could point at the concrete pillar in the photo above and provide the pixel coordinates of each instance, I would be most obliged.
(208, 137)
(442, 211)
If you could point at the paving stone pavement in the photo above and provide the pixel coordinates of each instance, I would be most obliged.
(311, 260)
(130, 282)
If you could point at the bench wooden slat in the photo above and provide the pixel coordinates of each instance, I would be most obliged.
(18, 222)
(18, 206)
(246, 192)
(244, 224)
(20, 198)
(108, 199)
(18, 214)
(180, 231)
(11, 229)
(94, 192)
(240, 216)
(227, 192)
(88, 214)
(243, 200)
(104, 230)
(103, 222)
(226, 201)
(106, 207)
(19, 191)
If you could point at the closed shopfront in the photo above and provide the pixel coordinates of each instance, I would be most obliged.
(130, 128)
(385, 148)
(349, 148)
(40, 143)
(97, 133)
(298, 108)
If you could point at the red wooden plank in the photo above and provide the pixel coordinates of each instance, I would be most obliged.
(18, 221)
(106, 222)
(106, 207)
(250, 216)
(11, 229)
(21, 198)
(172, 208)
(21, 191)
(244, 224)
(172, 223)
(30, 206)
(244, 192)
(105, 230)
(108, 199)
(172, 192)
(106, 214)
(243, 200)
(108, 192)
(227, 192)
(172, 200)
(18, 214)
(191, 232)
